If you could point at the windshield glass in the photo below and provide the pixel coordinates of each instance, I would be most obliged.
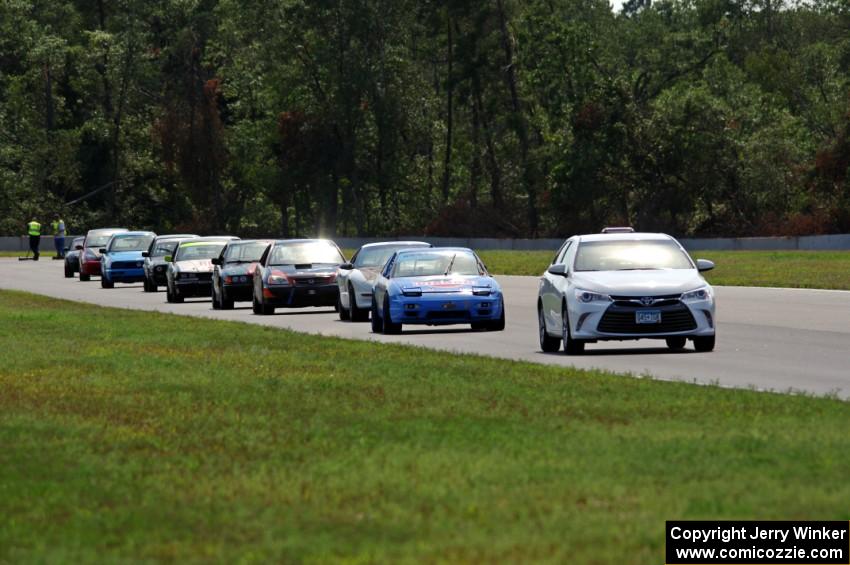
(130, 243)
(429, 263)
(630, 255)
(303, 253)
(98, 240)
(200, 250)
(377, 256)
(164, 247)
(245, 252)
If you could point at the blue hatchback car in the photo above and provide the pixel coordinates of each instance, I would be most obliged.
(436, 286)
(122, 259)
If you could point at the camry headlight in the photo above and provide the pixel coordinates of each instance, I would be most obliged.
(588, 296)
(697, 295)
(278, 279)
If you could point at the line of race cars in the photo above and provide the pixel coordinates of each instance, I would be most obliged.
(616, 285)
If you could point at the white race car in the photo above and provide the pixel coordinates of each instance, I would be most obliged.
(357, 277)
(622, 285)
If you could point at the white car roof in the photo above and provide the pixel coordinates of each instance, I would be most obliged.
(624, 236)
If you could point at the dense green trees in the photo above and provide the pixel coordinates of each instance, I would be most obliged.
(449, 117)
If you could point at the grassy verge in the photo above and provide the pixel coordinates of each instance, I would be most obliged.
(169, 438)
(793, 269)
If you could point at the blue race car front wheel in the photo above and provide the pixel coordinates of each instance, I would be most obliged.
(389, 326)
(377, 322)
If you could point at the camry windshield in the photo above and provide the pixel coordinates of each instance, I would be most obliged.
(164, 247)
(377, 256)
(633, 255)
(130, 243)
(195, 251)
(304, 253)
(429, 263)
(245, 252)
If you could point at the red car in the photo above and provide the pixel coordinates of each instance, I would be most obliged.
(90, 251)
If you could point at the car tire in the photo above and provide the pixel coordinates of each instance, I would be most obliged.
(704, 344)
(262, 308)
(148, 286)
(571, 346)
(341, 310)
(215, 303)
(377, 322)
(356, 313)
(548, 344)
(104, 283)
(255, 304)
(676, 343)
(85, 278)
(69, 271)
(390, 328)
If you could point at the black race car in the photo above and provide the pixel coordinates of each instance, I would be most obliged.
(72, 258)
(233, 272)
(297, 272)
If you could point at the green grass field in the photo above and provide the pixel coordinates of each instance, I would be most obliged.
(138, 436)
(799, 269)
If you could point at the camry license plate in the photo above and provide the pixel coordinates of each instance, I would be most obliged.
(648, 317)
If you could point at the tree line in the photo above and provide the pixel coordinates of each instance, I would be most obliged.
(513, 118)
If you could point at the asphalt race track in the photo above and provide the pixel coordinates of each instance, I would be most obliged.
(776, 339)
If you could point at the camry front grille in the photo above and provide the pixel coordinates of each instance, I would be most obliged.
(620, 319)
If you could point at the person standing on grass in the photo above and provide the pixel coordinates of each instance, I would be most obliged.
(58, 226)
(34, 231)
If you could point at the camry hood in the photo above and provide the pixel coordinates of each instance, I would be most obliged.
(440, 283)
(639, 283)
(196, 266)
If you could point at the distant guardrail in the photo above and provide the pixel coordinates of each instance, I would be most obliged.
(840, 242)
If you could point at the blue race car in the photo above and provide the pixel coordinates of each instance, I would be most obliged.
(437, 286)
(121, 259)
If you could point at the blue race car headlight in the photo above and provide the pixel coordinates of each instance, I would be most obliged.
(697, 295)
(415, 291)
(587, 296)
(481, 290)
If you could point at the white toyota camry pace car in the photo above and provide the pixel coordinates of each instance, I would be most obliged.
(622, 285)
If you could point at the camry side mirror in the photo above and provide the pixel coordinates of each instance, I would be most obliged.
(704, 265)
(167, 258)
(145, 254)
(558, 270)
(346, 266)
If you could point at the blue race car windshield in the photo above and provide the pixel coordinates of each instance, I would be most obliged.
(431, 263)
(245, 252)
(130, 243)
(634, 255)
(377, 256)
(201, 250)
(305, 252)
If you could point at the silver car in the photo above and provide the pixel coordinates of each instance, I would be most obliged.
(356, 278)
(622, 285)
